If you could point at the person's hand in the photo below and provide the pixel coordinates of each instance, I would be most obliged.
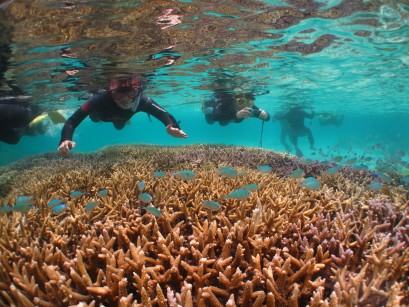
(243, 113)
(263, 115)
(175, 132)
(65, 147)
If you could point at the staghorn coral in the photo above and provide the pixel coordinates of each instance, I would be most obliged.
(282, 246)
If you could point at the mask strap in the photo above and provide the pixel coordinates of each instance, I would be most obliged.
(138, 99)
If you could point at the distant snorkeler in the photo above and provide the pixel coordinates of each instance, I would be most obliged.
(293, 126)
(327, 119)
(226, 107)
(18, 118)
(123, 100)
(231, 100)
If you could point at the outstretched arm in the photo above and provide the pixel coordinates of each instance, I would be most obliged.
(151, 107)
(66, 143)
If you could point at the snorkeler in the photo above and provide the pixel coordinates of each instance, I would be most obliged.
(18, 119)
(226, 107)
(123, 100)
(292, 125)
(230, 103)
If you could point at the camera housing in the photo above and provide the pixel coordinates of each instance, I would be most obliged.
(255, 113)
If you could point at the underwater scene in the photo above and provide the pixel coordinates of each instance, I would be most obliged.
(204, 153)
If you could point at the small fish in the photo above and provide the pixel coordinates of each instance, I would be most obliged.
(141, 185)
(264, 168)
(333, 170)
(385, 177)
(212, 205)
(103, 193)
(305, 161)
(145, 198)
(76, 194)
(375, 186)
(54, 202)
(22, 207)
(91, 206)
(238, 194)
(225, 168)
(375, 175)
(400, 153)
(25, 200)
(405, 179)
(153, 210)
(360, 167)
(394, 159)
(59, 209)
(337, 159)
(297, 173)
(185, 175)
(251, 187)
(310, 183)
(309, 179)
(159, 174)
(6, 209)
(228, 172)
(350, 161)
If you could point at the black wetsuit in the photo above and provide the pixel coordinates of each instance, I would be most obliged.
(102, 107)
(296, 119)
(14, 119)
(225, 109)
(292, 124)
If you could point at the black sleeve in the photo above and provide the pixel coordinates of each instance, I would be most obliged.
(74, 120)
(151, 107)
(17, 116)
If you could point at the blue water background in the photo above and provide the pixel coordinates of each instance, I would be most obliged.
(362, 74)
(356, 137)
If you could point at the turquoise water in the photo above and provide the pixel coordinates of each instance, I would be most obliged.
(350, 59)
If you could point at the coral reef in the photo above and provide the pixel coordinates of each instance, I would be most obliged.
(340, 245)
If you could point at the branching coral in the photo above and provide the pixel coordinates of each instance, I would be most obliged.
(282, 246)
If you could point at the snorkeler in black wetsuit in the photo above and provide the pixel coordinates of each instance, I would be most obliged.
(118, 105)
(292, 125)
(15, 119)
(18, 118)
(226, 107)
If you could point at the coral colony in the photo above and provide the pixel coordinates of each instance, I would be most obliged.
(200, 226)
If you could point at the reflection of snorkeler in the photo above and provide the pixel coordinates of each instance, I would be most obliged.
(17, 119)
(168, 20)
(292, 125)
(168, 53)
(326, 119)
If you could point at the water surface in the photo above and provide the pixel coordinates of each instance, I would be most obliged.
(346, 57)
